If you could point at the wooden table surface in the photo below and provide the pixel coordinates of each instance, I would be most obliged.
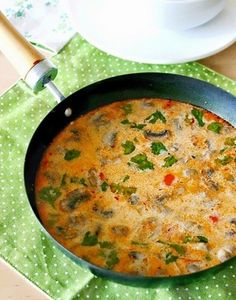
(14, 286)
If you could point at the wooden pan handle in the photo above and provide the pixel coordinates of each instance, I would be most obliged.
(17, 49)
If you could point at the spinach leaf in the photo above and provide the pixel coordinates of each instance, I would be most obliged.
(198, 115)
(169, 258)
(49, 194)
(112, 259)
(157, 115)
(71, 154)
(142, 162)
(169, 161)
(89, 239)
(128, 146)
(157, 148)
(215, 127)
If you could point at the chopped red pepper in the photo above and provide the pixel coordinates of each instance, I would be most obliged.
(169, 104)
(102, 176)
(169, 178)
(214, 219)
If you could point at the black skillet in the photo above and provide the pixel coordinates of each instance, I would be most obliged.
(131, 86)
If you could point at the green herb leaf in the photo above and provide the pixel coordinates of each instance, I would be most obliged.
(71, 154)
(106, 245)
(89, 239)
(180, 249)
(49, 194)
(127, 108)
(230, 141)
(104, 186)
(124, 190)
(188, 239)
(169, 161)
(157, 148)
(142, 162)
(139, 244)
(137, 126)
(224, 161)
(202, 239)
(112, 259)
(198, 115)
(83, 181)
(125, 122)
(215, 127)
(128, 146)
(157, 115)
(127, 177)
(63, 180)
(74, 179)
(170, 258)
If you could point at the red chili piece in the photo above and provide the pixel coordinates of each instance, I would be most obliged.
(169, 178)
(102, 176)
(214, 219)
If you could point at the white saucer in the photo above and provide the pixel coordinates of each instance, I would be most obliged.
(114, 31)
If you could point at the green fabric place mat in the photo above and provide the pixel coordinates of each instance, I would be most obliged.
(22, 243)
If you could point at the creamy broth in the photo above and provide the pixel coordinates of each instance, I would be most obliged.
(143, 187)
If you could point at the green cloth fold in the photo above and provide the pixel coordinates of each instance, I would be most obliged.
(22, 242)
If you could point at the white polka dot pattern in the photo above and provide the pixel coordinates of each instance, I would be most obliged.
(23, 243)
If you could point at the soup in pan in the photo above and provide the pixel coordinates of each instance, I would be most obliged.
(142, 187)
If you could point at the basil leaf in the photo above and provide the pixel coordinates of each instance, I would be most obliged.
(142, 162)
(104, 186)
(89, 239)
(127, 109)
(202, 239)
(157, 115)
(198, 115)
(169, 161)
(128, 147)
(49, 194)
(157, 148)
(71, 154)
(169, 258)
(112, 259)
(215, 127)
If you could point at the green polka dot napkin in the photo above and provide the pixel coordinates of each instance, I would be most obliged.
(22, 243)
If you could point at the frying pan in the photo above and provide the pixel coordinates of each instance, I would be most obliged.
(39, 73)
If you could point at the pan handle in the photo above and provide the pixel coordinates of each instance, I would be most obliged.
(32, 66)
